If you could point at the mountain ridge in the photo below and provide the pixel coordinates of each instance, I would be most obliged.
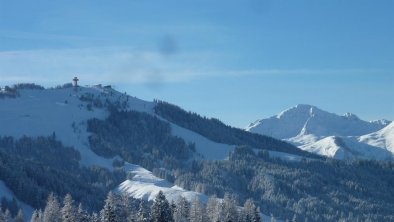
(315, 130)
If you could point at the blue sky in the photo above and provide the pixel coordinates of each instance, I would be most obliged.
(235, 60)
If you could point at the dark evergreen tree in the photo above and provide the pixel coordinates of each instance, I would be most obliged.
(143, 213)
(161, 209)
(110, 212)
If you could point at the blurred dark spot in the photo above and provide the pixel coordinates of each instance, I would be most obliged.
(168, 45)
(154, 79)
(260, 6)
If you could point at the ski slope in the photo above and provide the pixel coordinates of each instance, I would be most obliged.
(144, 185)
(62, 112)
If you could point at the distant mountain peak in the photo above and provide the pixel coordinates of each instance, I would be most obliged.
(351, 116)
(322, 132)
(309, 119)
(383, 122)
(300, 109)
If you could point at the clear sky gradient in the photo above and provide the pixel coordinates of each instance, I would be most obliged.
(235, 60)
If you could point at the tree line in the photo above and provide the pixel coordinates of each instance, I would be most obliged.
(122, 208)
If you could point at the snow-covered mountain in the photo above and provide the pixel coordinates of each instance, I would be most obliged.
(65, 112)
(339, 136)
(113, 141)
(383, 138)
(61, 111)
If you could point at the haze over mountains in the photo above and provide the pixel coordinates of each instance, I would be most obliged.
(339, 136)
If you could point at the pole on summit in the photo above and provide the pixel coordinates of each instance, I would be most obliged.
(75, 81)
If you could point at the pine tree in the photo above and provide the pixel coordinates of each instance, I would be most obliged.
(181, 212)
(273, 218)
(257, 214)
(68, 210)
(20, 216)
(143, 214)
(110, 210)
(197, 211)
(1, 215)
(35, 217)
(94, 218)
(7, 216)
(82, 215)
(213, 209)
(294, 218)
(161, 209)
(52, 210)
(128, 209)
(230, 212)
(250, 212)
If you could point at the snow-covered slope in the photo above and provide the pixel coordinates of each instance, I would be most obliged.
(307, 119)
(61, 111)
(346, 148)
(383, 138)
(328, 134)
(144, 185)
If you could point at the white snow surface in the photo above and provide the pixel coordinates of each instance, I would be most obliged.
(9, 195)
(307, 119)
(383, 138)
(328, 134)
(346, 148)
(285, 156)
(144, 185)
(208, 149)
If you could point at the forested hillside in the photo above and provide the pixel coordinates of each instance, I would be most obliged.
(217, 131)
(35, 167)
(313, 189)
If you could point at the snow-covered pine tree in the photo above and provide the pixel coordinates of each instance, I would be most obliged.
(181, 212)
(110, 211)
(7, 216)
(213, 209)
(161, 209)
(68, 210)
(230, 211)
(250, 212)
(82, 215)
(19, 216)
(197, 211)
(35, 217)
(52, 210)
(142, 214)
(273, 219)
(1, 215)
(129, 207)
(94, 218)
